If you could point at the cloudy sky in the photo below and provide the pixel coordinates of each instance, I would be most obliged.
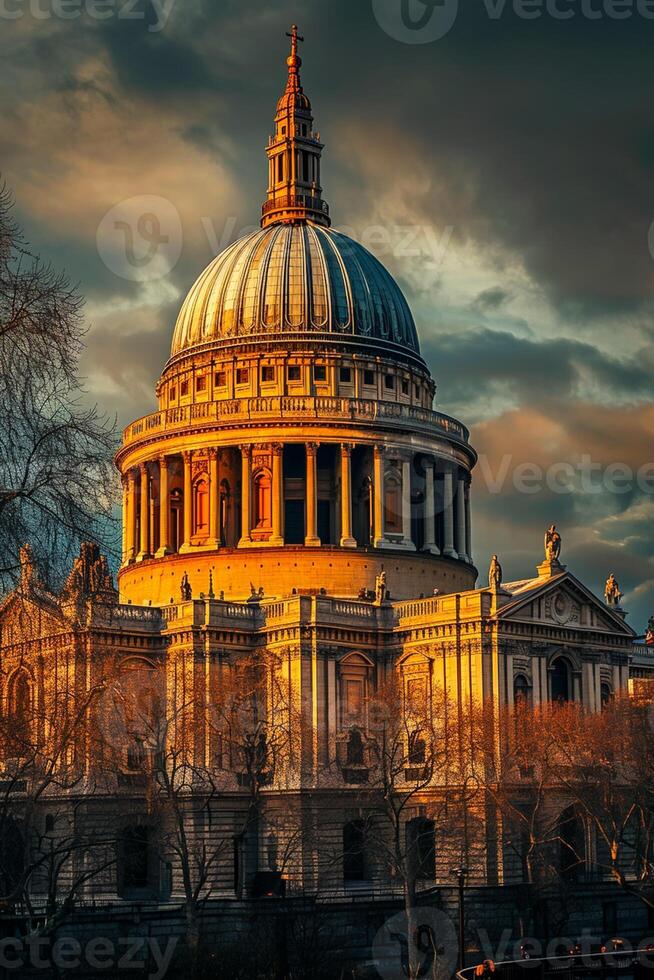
(499, 159)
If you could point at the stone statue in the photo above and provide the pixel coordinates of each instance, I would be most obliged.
(381, 590)
(187, 591)
(495, 574)
(612, 592)
(552, 544)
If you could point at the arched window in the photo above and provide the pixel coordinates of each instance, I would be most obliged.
(201, 507)
(354, 852)
(262, 499)
(393, 502)
(224, 511)
(20, 710)
(137, 864)
(355, 748)
(417, 749)
(12, 855)
(572, 847)
(560, 681)
(421, 848)
(353, 674)
(521, 691)
(136, 754)
(176, 519)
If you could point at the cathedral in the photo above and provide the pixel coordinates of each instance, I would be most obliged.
(296, 511)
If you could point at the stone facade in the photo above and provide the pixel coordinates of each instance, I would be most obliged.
(297, 509)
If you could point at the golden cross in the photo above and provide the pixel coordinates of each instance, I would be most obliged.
(295, 37)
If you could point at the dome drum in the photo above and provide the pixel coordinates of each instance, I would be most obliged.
(295, 446)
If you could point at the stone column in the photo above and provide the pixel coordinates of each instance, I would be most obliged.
(246, 486)
(448, 514)
(131, 516)
(277, 536)
(430, 510)
(407, 541)
(378, 493)
(188, 502)
(461, 518)
(347, 541)
(164, 508)
(214, 498)
(124, 484)
(468, 525)
(144, 550)
(312, 540)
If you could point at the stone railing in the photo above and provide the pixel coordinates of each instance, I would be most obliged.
(212, 612)
(288, 408)
(127, 617)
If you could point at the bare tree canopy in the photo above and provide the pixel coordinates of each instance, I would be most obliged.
(57, 482)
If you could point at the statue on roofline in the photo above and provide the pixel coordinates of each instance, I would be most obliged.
(186, 590)
(381, 589)
(612, 593)
(552, 544)
(495, 574)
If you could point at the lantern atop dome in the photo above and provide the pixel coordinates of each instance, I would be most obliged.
(294, 152)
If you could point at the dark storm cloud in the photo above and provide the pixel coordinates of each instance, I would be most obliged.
(490, 300)
(473, 367)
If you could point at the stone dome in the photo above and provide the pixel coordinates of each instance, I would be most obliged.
(297, 278)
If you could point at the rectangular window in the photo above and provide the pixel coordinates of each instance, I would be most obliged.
(353, 698)
(267, 373)
(405, 387)
(242, 376)
(183, 388)
(417, 391)
(173, 393)
(320, 373)
(220, 380)
(369, 378)
(345, 376)
(295, 372)
(389, 382)
(201, 383)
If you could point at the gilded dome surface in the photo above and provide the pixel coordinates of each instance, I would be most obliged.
(295, 278)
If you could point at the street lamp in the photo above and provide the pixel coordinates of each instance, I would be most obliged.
(461, 873)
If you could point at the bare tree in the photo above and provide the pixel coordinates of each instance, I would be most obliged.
(606, 767)
(47, 854)
(57, 484)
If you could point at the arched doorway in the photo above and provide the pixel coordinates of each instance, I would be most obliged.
(560, 681)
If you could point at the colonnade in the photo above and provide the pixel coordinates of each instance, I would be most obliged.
(442, 502)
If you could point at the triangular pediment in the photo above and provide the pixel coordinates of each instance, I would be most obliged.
(560, 601)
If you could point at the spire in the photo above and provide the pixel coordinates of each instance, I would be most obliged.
(294, 152)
